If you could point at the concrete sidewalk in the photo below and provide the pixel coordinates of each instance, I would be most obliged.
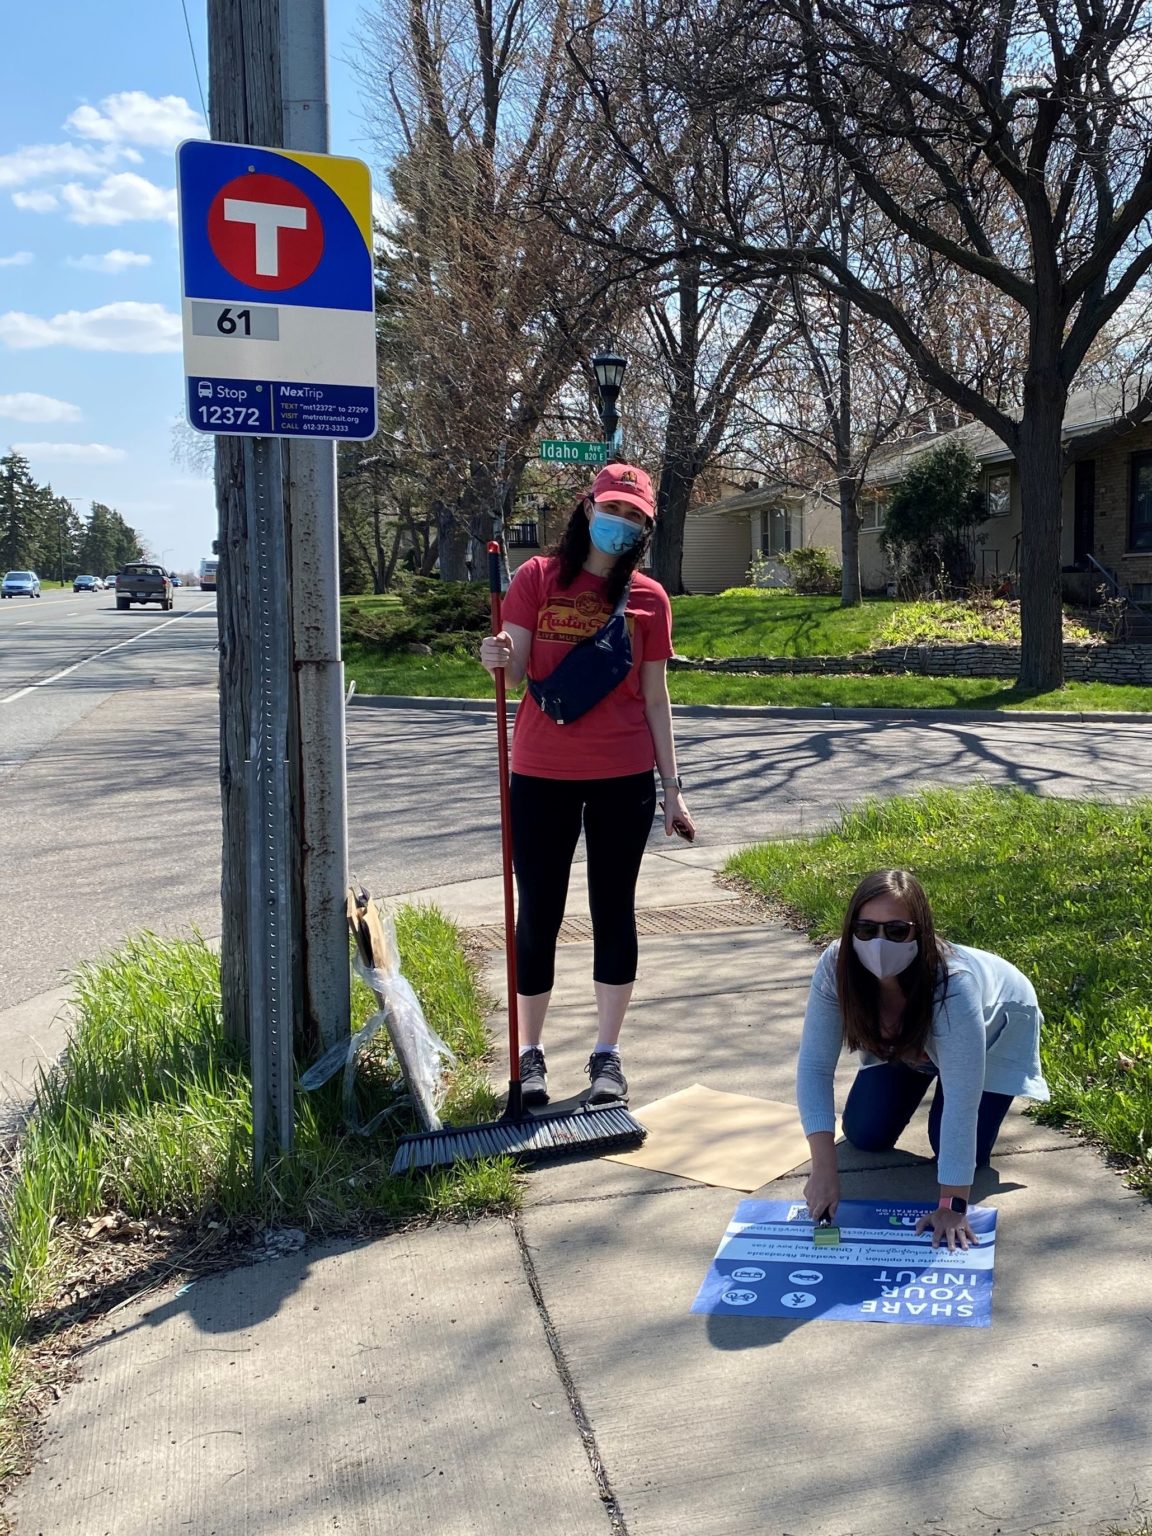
(545, 1374)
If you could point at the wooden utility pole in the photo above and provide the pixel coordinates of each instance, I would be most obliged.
(268, 87)
(245, 107)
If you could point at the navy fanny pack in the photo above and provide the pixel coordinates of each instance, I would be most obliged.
(589, 672)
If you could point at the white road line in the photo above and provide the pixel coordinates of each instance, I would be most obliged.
(119, 646)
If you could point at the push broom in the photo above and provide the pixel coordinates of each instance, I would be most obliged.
(526, 1137)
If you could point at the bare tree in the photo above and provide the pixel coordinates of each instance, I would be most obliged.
(491, 307)
(1011, 145)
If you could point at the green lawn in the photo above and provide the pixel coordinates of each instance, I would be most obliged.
(750, 623)
(899, 692)
(1061, 888)
(459, 676)
(370, 603)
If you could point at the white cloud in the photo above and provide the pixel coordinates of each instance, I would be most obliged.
(122, 327)
(30, 407)
(110, 262)
(119, 199)
(134, 117)
(36, 162)
(36, 202)
(17, 259)
(72, 453)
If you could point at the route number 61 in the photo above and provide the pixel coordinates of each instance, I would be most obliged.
(228, 323)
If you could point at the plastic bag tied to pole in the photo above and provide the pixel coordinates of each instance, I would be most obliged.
(421, 1054)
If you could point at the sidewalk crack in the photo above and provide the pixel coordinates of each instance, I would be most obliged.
(583, 1425)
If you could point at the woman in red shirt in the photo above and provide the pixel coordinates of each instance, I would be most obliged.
(595, 770)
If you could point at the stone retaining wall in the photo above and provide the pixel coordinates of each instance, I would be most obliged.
(1082, 663)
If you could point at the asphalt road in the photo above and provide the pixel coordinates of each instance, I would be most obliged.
(109, 805)
(423, 797)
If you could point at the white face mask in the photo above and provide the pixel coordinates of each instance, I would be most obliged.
(884, 957)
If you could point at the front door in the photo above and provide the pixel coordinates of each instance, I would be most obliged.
(1084, 513)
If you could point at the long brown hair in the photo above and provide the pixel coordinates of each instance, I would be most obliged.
(571, 550)
(923, 983)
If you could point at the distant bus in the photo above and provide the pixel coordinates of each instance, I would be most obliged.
(208, 575)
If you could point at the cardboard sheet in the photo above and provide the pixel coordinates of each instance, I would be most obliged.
(727, 1139)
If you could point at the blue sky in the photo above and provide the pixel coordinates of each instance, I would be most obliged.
(91, 108)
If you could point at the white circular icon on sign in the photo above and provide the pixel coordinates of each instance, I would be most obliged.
(748, 1274)
(798, 1299)
(739, 1298)
(805, 1277)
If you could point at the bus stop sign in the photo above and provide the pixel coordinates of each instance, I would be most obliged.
(278, 292)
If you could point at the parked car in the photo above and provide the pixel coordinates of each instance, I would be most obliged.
(87, 584)
(20, 584)
(143, 582)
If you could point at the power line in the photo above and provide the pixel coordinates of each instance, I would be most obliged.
(195, 66)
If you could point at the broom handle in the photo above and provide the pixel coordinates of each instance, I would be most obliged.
(506, 843)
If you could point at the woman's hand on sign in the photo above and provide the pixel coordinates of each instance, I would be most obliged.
(950, 1227)
(496, 651)
(822, 1193)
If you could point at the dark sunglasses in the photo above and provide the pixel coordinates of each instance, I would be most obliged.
(898, 930)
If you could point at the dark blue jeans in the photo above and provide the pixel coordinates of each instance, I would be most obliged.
(884, 1098)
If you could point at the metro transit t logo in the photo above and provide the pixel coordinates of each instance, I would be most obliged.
(265, 232)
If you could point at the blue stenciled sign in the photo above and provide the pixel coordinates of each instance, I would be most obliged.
(880, 1272)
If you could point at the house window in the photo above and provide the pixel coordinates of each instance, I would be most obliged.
(523, 536)
(871, 513)
(1140, 503)
(775, 531)
(998, 494)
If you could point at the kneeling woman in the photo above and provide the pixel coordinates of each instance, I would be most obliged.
(917, 1009)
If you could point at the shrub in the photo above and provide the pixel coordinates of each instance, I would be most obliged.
(813, 572)
(929, 533)
(762, 572)
(441, 614)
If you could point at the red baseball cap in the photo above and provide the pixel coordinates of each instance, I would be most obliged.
(624, 482)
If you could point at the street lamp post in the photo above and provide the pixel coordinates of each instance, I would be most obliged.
(609, 370)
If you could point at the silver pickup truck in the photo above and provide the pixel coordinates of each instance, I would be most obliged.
(142, 582)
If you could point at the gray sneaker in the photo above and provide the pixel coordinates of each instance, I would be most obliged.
(533, 1077)
(608, 1085)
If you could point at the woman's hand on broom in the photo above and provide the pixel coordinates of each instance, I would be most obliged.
(496, 651)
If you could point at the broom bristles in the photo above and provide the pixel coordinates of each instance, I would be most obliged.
(533, 1139)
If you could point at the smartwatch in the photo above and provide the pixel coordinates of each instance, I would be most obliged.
(676, 783)
(955, 1203)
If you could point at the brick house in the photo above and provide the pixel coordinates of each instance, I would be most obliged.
(1107, 503)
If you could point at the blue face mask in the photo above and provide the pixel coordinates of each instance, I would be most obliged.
(613, 535)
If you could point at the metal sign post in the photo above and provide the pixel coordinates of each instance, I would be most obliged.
(269, 927)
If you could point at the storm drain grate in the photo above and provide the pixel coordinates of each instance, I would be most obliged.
(705, 918)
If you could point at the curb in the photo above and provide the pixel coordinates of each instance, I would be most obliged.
(792, 712)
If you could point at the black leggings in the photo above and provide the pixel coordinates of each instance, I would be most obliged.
(546, 816)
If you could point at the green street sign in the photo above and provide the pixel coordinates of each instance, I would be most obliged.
(559, 451)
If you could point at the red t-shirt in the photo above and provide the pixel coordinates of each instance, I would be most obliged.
(613, 738)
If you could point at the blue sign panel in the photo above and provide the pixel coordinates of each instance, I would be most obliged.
(282, 410)
(278, 292)
(880, 1272)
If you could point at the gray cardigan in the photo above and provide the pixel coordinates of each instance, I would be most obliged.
(985, 1036)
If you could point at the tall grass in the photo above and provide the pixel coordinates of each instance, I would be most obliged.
(1061, 888)
(149, 1114)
